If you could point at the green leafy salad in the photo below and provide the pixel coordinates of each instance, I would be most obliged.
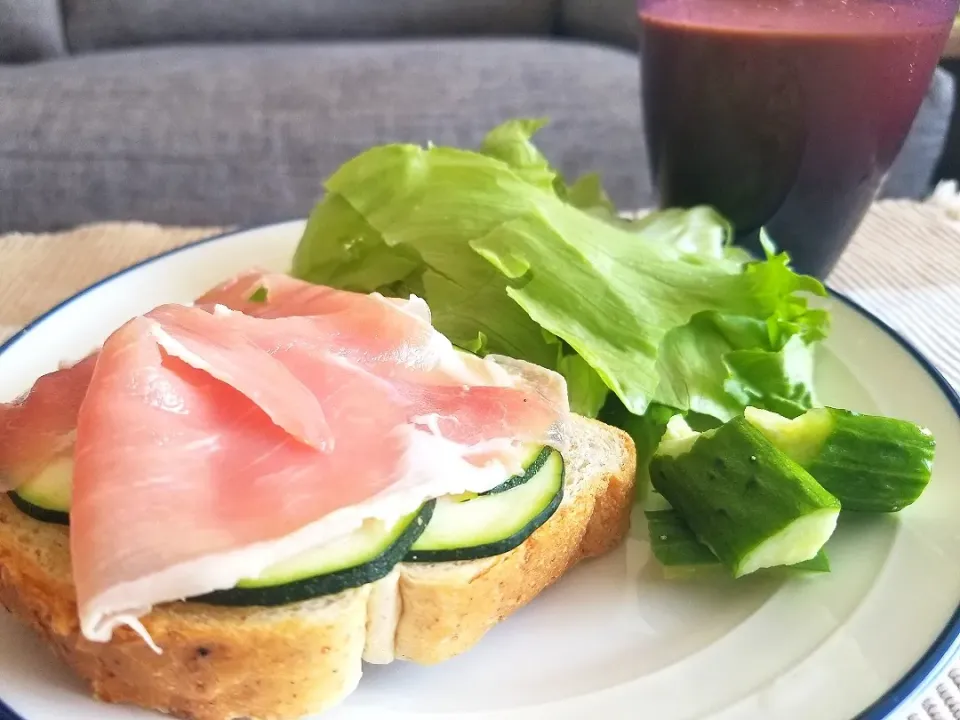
(662, 327)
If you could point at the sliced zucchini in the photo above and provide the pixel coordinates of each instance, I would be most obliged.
(364, 556)
(47, 496)
(491, 524)
(38, 513)
(536, 457)
(870, 463)
(744, 499)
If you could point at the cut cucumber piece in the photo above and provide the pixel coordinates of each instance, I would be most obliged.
(748, 502)
(677, 439)
(676, 546)
(47, 496)
(673, 543)
(818, 563)
(870, 463)
(364, 556)
(491, 524)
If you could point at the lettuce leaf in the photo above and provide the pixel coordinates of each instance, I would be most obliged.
(510, 142)
(780, 381)
(696, 350)
(646, 430)
(736, 365)
(585, 387)
(512, 260)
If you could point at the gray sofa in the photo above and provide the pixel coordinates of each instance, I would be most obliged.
(234, 111)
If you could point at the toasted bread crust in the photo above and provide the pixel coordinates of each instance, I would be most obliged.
(610, 521)
(283, 663)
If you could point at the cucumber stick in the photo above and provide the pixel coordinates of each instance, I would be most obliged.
(673, 543)
(870, 463)
(749, 503)
(676, 547)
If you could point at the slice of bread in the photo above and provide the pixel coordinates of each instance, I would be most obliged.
(285, 662)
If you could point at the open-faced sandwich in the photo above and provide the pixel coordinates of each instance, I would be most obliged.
(231, 505)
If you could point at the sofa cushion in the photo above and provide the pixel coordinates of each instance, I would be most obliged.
(244, 134)
(609, 21)
(117, 23)
(30, 30)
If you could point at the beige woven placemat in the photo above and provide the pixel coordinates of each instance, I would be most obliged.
(38, 271)
(904, 265)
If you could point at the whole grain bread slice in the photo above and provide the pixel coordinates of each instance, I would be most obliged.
(285, 662)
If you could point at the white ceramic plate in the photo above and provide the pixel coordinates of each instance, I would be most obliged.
(613, 639)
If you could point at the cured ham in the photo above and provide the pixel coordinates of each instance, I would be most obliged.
(402, 337)
(39, 428)
(218, 349)
(228, 443)
(271, 295)
(393, 336)
(466, 411)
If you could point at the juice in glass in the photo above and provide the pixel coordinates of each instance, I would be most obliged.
(784, 114)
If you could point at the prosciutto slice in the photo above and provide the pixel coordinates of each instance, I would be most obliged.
(211, 445)
(271, 295)
(39, 428)
(227, 355)
(392, 341)
(392, 337)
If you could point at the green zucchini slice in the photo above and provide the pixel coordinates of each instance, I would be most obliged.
(536, 457)
(47, 496)
(364, 556)
(491, 524)
(870, 463)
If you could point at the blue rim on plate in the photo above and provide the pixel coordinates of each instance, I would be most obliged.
(916, 680)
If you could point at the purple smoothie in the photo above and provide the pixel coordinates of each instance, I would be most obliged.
(785, 114)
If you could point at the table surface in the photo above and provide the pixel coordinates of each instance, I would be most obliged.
(903, 265)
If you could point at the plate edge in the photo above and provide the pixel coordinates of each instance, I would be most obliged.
(923, 673)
